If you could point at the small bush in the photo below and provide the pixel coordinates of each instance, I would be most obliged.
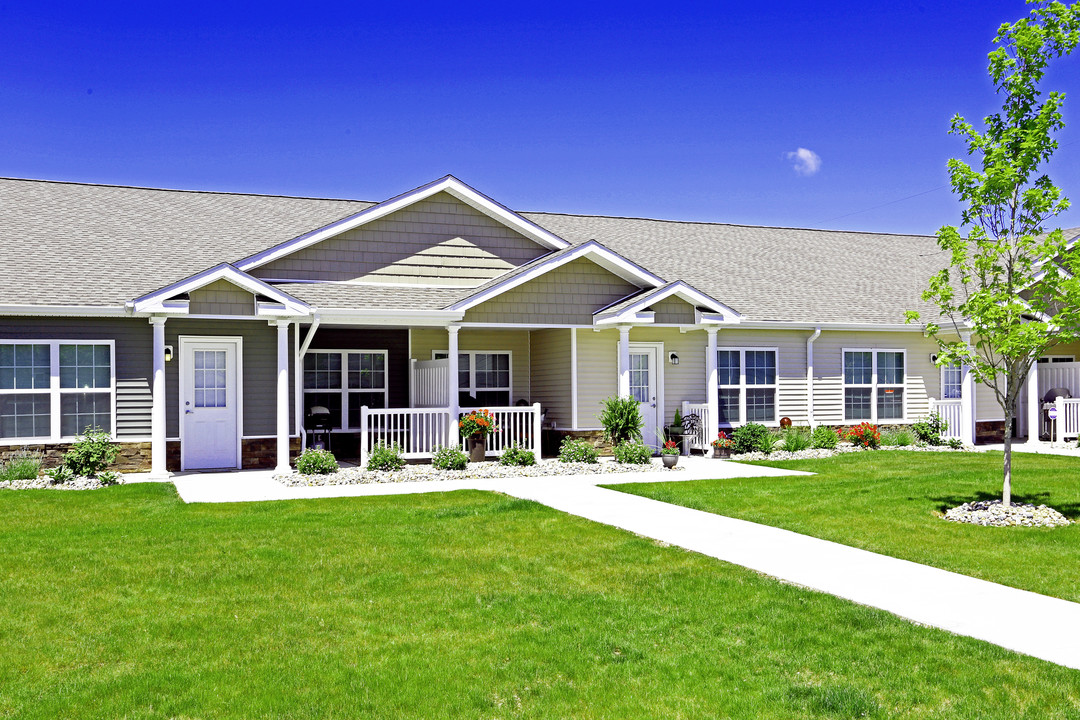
(930, 429)
(898, 437)
(60, 475)
(954, 443)
(22, 465)
(824, 437)
(91, 453)
(449, 458)
(385, 457)
(108, 477)
(579, 451)
(752, 437)
(864, 435)
(621, 419)
(316, 462)
(517, 456)
(632, 452)
(795, 439)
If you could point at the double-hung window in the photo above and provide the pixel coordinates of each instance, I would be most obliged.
(343, 381)
(53, 390)
(748, 385)
(952, 379)
(873, 384)
(483, 378)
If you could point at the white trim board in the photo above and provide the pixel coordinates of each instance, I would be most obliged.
(684, 291)
(157, 301)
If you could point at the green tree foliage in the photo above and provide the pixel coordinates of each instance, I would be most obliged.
(1011, 288)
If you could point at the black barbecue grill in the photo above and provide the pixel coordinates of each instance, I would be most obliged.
(319, 424)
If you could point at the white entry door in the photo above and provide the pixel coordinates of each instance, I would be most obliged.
(208, 404)
(643, 381)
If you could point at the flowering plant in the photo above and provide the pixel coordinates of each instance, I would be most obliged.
(864, 435)
(722, 440)
(478, 422)
(670, 448)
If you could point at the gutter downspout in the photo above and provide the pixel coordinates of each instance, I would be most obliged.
(810, 376)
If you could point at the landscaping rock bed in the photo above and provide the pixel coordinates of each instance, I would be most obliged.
(817, 453)
(483, 470)
(45, 483)
(993, 513)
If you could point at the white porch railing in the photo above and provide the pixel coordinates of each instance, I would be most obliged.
(419, 431)
(430, 386)
(1067, 424)
(518, 425)
(951, 413)
(697, 441)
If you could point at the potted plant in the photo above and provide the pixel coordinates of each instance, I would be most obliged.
(476, 426)
(721, 446)
(669, 454)
(676, 430)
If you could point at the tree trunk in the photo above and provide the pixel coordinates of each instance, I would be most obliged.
(1006, 491)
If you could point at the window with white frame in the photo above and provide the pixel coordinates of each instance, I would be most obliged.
(1047, 359)
(748, 385)
(952, 379)
(483, 378)
(873, 384)
(343, 381)
(51, 389)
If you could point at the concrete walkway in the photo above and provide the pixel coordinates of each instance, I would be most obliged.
(953, 602)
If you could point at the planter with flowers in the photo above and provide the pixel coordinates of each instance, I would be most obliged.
(669, 454)
(721, 446)
(476, 426)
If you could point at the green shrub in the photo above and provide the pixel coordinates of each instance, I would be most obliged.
(795, 439)
(108, 477)
(752, 437)
(632, 452)
(898, 437)
(60, 475)
(865, 435)
(517, 456)
(22, 465)
(954, 443)
(577, 451)
(621, 419)
(449, 458)
(824, 437)
(91, 453)
(316, 462)
(385, 457)
(930, 429)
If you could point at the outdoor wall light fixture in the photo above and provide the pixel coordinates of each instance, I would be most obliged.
(673, 358)
(168, 353)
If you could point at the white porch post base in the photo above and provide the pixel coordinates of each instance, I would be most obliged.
(624, 361)
(157, 411)
(283, 396)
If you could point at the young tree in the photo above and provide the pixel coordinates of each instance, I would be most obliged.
(1010, 284)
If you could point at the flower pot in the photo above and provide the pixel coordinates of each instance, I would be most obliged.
(669, 460)
(721, 452)
(477, 448)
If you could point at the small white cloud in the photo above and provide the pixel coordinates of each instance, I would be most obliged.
(806, 162)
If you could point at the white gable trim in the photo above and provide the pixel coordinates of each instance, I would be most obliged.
(607, 259)
(720, 313)
(163, 300)
(449, 184)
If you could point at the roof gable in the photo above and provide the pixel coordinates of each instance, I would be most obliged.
(168, 299)
(662, 305)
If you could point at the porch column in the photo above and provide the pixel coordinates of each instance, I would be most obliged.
(454, 438)
(967, 406)
(712, 387)
(283, 396)
(1034, 404)
(157, 411)
(624, 361)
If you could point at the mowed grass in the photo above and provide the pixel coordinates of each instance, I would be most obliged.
(126, 603)
(891, 502)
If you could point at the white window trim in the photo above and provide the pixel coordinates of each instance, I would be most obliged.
(472, 389)
(874, 384)
(1051, 359)
(344, 390)
(742, 386)
(942, 381)
(55, 391)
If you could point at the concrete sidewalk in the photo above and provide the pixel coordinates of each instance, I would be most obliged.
(950, 601)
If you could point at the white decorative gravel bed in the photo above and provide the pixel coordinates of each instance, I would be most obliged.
(483, 470)
(841, 449)
(993, 513)
(44, 482)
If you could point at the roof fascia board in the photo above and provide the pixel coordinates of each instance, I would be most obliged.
(156, 300)
(602, 256)
(448, 184)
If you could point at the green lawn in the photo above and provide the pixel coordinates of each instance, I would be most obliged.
(126, 603)
(890, 502)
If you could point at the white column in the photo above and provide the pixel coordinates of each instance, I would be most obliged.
(624, 361)
(712, 387)
(157, 412)
(1034, 404)
(283, 396)
(967, 406)
(1059, 422)
(452, 380)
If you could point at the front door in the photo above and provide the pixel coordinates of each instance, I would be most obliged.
(208, 404)
(643, 370)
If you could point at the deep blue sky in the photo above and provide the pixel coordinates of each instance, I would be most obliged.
(683, 111)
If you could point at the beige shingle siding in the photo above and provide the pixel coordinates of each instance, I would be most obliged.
(439, 240)
(551, 373)
(673, 310)
(568, 294)
(221, 298)
(424, 340)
